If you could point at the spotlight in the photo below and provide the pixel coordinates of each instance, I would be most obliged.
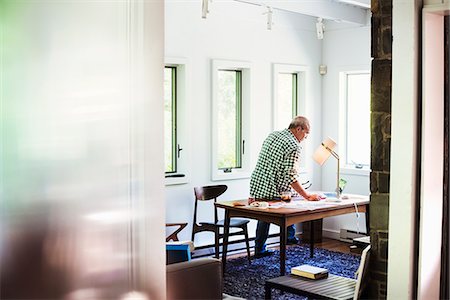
(205, 8)
(319, 28)
(269, 14)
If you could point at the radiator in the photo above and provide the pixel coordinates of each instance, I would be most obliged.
(347, 235)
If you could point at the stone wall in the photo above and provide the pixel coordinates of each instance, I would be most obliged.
(380, 145)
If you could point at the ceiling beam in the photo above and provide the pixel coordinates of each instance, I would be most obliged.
(361, 3)
(326, 9)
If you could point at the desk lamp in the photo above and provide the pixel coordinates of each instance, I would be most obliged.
(322, 153)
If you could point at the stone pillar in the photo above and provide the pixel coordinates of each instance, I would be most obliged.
(380, 145)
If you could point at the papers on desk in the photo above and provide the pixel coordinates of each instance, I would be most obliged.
(333, 199)
(265, 204)
(330, 197)
(309, 205)
(259, 204)
(298, 204)
(329, 194)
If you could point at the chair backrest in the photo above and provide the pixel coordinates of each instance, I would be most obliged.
(174, 235)
(209, 192)
(361, 273)
(205, 193)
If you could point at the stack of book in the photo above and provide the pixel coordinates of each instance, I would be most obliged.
(310, 272)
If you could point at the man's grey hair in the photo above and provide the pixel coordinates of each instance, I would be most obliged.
(299, 121)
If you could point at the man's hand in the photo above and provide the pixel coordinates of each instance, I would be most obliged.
(301, 191)
(313, 197)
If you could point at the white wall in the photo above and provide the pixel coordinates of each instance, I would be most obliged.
(345, 48)
(432, 198)
(403, 186)
(235, 31)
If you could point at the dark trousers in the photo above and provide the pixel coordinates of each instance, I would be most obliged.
(262, 232)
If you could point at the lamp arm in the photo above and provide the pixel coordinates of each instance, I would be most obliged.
(331, 151)
(335, 155)
(338, 189)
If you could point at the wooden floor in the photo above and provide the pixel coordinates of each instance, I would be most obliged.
(327, 243)
(333, 245)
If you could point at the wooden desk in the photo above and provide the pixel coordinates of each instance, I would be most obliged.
(295, 212)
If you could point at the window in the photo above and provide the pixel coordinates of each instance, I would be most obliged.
(230, 142)
(175, 132)
(170, 119)
(355, 116)
(230, 118)
(289, 100)
(287, 97)
(289, 94)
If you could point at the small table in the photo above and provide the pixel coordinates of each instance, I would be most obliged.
(333, 287)
(294, 212)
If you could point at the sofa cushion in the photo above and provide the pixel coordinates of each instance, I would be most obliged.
(195, 279)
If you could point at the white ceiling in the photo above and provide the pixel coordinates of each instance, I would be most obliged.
(360, 3)
(351, 11)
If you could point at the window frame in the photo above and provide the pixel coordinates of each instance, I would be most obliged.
(346, 167)
(238, 123)
(174, 101)
(181, 176)
(245, 70)
(303, 96)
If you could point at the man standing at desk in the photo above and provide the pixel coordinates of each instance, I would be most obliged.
(276, 171)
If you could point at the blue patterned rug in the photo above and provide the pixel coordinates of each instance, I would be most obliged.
(247, 280)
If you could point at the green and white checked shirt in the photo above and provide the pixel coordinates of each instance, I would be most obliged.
(277, 166)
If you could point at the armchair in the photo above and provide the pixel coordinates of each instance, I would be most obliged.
(195, 279)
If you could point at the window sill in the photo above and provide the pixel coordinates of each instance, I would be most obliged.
(355, 172)
(176, 180)
(230, 176)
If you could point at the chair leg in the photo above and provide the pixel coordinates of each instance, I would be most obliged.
(244, 228)
(194, 231)
(216, 244)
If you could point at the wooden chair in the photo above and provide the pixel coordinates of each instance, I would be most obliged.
(174, 235)
(206, 193)
(176, 250)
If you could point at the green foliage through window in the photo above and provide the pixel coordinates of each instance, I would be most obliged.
(229, 119)
(287, 95)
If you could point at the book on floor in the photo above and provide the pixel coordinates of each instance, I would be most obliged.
(310, 272)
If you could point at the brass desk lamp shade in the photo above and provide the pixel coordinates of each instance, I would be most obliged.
(323, 152)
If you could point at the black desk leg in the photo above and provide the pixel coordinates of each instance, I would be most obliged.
(283, 248)
(311, 241)
(268, 292)
(226, 232)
